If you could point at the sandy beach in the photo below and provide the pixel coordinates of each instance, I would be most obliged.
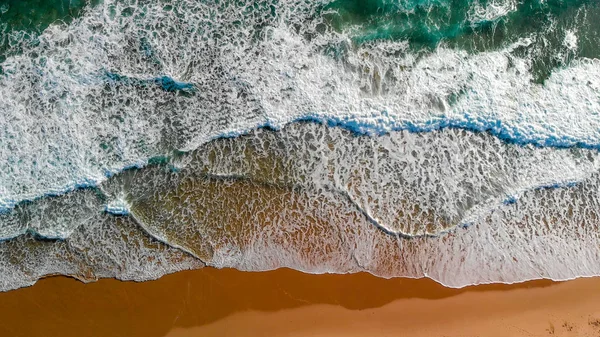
(211, 302)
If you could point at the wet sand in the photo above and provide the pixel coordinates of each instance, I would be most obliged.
(210, 302)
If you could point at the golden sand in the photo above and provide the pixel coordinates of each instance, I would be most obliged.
(211, 302)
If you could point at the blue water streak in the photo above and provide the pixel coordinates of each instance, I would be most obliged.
(166, 83)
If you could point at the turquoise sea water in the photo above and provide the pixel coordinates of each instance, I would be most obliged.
(22, 21)
(451, 139)
(476, 26)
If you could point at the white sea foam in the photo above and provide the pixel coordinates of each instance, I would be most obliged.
(63, 125)
(491, 11)
(570, 40)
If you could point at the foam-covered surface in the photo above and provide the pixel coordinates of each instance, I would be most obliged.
(104, 246)
(403, 204)
(444, 137)
(123, 84)
(457, 206)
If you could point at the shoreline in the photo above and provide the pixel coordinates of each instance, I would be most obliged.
(284, 302)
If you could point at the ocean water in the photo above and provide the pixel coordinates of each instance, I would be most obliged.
(450, 139)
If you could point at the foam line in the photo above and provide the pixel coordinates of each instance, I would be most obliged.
(374, 127)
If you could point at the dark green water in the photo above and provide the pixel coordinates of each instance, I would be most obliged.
(428, 23)
(22, 20)
(36, 15)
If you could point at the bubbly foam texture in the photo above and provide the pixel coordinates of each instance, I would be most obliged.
(492, 11)
(131, 84)
(65, 124)
(320, 199)
(104, 246)
(398, 205)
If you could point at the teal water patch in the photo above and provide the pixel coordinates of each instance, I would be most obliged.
(22, 20)
(164, 82)
(477, 26)
(424, 23)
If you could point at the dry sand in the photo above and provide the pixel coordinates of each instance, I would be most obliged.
(227, 302)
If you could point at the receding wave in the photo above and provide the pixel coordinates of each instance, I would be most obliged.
(454, 140)
(458, 206)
